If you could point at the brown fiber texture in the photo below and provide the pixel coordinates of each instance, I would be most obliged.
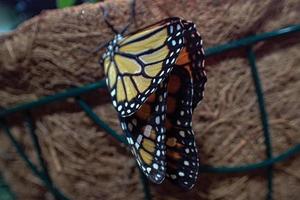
(52, 52)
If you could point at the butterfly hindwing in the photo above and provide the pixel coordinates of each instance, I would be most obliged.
(136, 64)
(194, 46)
(145, 134)
(182, 158)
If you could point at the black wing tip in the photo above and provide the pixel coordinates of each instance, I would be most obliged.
(157, 178)
(186, 184)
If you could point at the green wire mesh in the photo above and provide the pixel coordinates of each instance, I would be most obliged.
(5, 192)
(41, 171)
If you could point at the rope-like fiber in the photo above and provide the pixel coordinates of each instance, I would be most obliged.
(76, 92)
(55, 191)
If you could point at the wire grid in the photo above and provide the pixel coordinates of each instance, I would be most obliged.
(5, 192)
(41, 171)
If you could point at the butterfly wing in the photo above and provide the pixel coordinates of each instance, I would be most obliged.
(145, 134)
(136, 64)
(194, 46)
(185, 91)
(182, 158)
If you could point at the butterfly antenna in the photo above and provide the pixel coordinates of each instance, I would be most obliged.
(99, 47)
(105, 15)
(132, 17)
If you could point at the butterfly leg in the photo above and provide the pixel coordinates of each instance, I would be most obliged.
(105, 16)
(132, 17)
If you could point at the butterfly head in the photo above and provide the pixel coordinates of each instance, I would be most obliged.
(113, 46)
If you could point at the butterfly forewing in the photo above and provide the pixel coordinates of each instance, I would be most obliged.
(136, 64)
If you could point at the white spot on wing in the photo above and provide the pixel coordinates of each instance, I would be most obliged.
(119, 107)
(148, 169)
(186, 163)
(113, 92)
(173, 176)
(147, 131)
(173, 42)
(158, 153)
(139, 139)
(182, 133)
(171, 29)
(157, 120)
(181, 174)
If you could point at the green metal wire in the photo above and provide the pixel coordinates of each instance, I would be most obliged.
(5, 192)
(203, 168)
(76, 92)
(248, 41)
(53, 98)
(252, 167)
(56, 192)
(88, 110)
(263, 116)
(31, 126)
(146, 187)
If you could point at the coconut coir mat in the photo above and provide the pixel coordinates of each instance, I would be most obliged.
(52, 52)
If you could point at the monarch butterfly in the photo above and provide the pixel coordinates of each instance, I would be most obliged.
(156, 78)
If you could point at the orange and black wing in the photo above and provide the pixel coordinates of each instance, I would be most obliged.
(145, 133)
(195, 52)
(135, 65)
(182, 158)
(185, 90)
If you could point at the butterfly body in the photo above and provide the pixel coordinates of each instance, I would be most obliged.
(112, 46)
(156, 78)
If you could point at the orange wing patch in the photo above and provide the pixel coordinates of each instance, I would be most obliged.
(171, 105)
(148, 145)
(174, 84)
(144, 112)
(147, 157)
(183, 57)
